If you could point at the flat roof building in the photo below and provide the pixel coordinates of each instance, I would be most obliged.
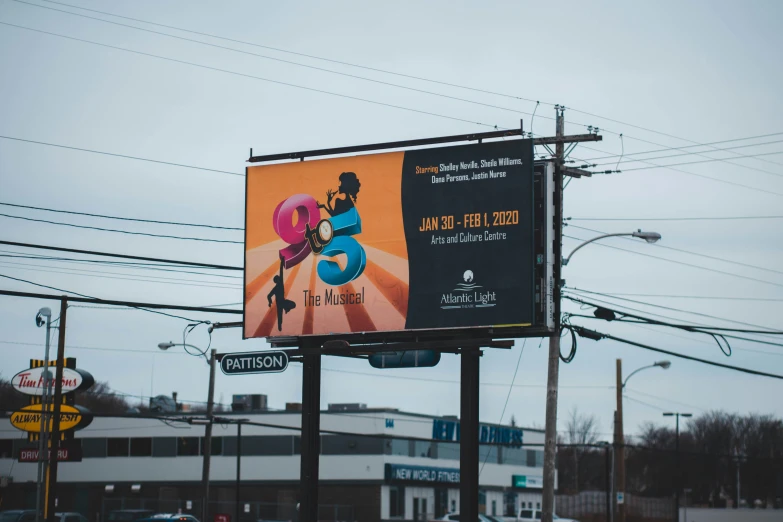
(372, 467)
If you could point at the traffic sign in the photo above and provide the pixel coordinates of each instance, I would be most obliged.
(407, 359)
(253, 362)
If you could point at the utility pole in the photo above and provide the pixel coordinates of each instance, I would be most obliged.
(239, 470)
(608, 463)
(619, 444)
(51, 495)
(550, 434)
(208, 436)
(43, 447)
(678, 478)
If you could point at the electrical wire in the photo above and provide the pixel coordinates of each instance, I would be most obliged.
(715, 258)
(313, 67)
(717, 218)
(115, 154)
(592, 334)
(260, 78)
(121, 256)
(104, 216)
(96, 273)
(118, 231)
(711, 160)
(508, 396)
(672, 296)
(91, 297)
(610, 156)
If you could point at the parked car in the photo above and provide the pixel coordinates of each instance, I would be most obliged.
(452, 517)
(128, 515)
(17, 515)
(169, 517)
(70, 517)
(533, 515)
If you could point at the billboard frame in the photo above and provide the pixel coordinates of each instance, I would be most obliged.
(543, 213)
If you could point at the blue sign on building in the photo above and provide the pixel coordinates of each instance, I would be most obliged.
(421, 474)
(449, 431)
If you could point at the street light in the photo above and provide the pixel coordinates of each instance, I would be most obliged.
(677, 483)
(650, 237)
(550, 437)
(44, 316)
(210, 419)
(619, 429)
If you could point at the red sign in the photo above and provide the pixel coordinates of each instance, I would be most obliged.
(64, 454)
(222, 517)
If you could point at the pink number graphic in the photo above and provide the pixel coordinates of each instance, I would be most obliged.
(307, 212)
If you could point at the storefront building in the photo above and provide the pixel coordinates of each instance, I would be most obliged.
(372, 467)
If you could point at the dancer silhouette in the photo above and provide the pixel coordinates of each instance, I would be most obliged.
(349, 187)
(281, 303)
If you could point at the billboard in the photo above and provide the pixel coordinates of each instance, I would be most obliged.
(421, 240)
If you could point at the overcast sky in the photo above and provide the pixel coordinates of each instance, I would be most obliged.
(698, 72)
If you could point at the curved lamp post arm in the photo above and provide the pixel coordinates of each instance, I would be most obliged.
(567, 259)
(637, 371)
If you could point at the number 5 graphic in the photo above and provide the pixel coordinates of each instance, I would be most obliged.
(308, 216)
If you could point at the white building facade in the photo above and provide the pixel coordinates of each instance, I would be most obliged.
(378, 464)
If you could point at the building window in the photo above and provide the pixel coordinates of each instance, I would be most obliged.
(514, 456)
(187, 446)
(488, 454)
(423, 449)
(539, 459)
(266, 445)
(141, 447)
(217, 445)
(351, 445)
(6, 448)
(447, 450)
(164, 447)
(117, 447)
(531, 458)
(453, 506)
(510, 502)
(494, 508)
(94, 448)
(396, 502)
(397, 447)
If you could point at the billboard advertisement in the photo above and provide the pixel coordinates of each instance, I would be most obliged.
(426, 239)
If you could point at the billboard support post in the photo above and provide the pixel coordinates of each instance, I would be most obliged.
(469, 433)
(311, 427)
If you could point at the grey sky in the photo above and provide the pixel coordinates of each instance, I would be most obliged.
(705, 71)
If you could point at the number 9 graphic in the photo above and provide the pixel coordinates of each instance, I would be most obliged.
(308, 218)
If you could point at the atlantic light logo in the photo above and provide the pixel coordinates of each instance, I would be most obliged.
(467, 295)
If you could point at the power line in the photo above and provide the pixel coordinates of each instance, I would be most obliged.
(342, 63)
(381, 82)
(114, 275)
(120, 264)
(681, 263)
(656, 245)
(70, 297)
(585, 332)
(716, 218)
(118, 231)
(732, 183)
(111, 153)
(157, 222)
(672, 309)
(711, 160)
(121, 256)
(613, 294)
(277, 82)
(692, 146)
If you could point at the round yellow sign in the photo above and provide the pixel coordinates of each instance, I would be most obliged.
(29, 418)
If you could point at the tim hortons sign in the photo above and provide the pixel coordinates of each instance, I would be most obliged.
(29, 419)
(33, 382)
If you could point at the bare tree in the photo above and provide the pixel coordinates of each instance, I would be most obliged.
(581, 432)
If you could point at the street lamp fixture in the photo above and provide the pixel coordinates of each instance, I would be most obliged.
(678, 481)
(660, 364)
(650, 237)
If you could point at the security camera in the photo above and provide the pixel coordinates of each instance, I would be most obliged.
(39, 318)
